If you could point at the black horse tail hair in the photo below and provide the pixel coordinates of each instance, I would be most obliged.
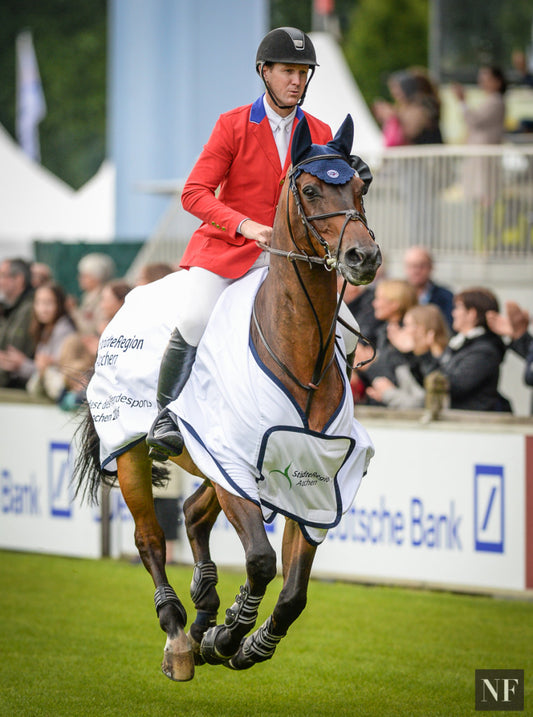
(88, 475)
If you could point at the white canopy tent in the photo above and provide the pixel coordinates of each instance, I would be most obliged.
(35, 204)
(333, 93)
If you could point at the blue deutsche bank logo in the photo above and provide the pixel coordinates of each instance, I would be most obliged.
(59, 480)
(489, 497)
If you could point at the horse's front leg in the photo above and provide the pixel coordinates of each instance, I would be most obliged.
(297, 558)
(221, 642)
(200, 511)
(135, 479)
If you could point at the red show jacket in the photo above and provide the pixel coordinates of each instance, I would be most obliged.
(240, 158)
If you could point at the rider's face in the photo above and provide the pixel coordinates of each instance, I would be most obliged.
(287, 83)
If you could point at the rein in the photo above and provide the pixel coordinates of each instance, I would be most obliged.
(329, 262)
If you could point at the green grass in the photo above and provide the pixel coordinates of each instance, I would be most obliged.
(80, 638)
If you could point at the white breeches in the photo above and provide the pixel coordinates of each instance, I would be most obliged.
(203, 288)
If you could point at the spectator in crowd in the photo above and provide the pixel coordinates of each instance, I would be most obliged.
(422, 338)
(112, 296)
(152, 272)
(514, 325)
(79, 351)
(418, 268)
(414, 115)
(485, 125)
(359, 300)
(393, 298)
(528, 373)
(40, 274)
(50, 326)
(15, 337)
(94, 271)
(525, 75)
(472, 359)
(525, 78)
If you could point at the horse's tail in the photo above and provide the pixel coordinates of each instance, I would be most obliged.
(88, 476)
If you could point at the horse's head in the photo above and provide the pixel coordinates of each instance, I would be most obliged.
(327, 187)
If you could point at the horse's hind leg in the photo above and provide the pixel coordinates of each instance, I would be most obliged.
(135, 479)
(221, 642)
(297, 558)
(200, 511)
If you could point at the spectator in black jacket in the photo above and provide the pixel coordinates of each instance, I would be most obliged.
(472, 359)
(514, 325)
(418, 268)
(15, 336)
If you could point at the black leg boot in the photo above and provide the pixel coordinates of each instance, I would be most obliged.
(164, 437)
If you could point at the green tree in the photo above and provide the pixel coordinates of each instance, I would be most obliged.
(385, 36)
(70, 44)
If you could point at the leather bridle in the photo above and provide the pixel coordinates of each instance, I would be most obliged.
(329, 261)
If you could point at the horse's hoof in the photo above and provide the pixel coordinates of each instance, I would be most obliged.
(240, 661)
(195, 645)
(178, 658)
(208, 650)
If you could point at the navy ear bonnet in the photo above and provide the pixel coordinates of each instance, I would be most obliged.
(333, 171)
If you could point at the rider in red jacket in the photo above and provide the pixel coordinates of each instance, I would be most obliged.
(246, 159)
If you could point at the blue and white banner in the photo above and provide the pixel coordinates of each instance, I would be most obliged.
(441, 505)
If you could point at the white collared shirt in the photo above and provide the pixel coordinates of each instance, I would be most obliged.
(281, 129)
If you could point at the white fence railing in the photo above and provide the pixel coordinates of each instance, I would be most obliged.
(464, 200)
(461, 200)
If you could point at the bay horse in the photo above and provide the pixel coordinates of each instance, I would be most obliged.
(320, 230)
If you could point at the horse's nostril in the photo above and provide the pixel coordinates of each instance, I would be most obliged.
(354, 257)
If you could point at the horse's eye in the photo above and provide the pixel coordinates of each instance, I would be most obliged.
(310, 191)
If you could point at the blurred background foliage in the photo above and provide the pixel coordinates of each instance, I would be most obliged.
(382, 37)
(378, 37)
(70, 44)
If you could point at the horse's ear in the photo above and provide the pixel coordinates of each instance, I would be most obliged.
(301, 141)
(343, 140)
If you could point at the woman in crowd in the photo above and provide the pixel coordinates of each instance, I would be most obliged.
(485, 124)
(79, 351)
(112, 297)
(414, 115)
(422, 338)
(471, 361)
(393, 298)
(50, 327)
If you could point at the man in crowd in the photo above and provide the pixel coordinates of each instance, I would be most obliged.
(17, 298)
(418, 267)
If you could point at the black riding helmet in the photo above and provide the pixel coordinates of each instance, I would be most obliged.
(289, 46)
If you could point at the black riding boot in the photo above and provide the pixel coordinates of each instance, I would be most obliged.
(164, 437)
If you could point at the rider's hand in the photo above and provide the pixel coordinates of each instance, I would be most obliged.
(257, 232)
